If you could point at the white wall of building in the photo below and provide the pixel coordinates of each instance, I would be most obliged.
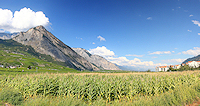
(194, 64)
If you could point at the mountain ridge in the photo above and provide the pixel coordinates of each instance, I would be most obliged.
(6, 36)
(99, 61)
(49, 46)
(195, 58)
(25, 53)
(46, 43)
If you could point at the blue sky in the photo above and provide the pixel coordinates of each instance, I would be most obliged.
(138, 33)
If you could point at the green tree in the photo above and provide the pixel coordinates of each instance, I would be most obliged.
(29, 67)
(184, 68)
(170, 69)
(148, 70)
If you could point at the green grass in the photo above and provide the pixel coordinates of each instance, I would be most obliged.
(4, 71)
(134, 90)
(24, 60)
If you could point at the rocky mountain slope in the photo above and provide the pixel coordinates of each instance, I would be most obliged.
(46, 43)
(99, 61)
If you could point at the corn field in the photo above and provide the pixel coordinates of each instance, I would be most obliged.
(93, 87)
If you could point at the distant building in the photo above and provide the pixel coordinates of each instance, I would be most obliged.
(183, 64)
(1, 66)
(175, 66)
(178, 66)
(162, 68)
(165, 68)
(13, 67)
(193, 64)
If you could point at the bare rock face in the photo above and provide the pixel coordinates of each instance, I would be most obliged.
(46, 43)
(99, 61)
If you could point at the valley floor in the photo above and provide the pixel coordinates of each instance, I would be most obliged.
(101, 89)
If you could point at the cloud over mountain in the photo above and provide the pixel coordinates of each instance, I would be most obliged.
(21, 20)
(194, 52)
(136, 62)
(123, 61)
(102, 51)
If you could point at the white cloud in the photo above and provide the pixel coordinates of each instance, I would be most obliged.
(191, 15)
(194, 52)
(198, 33)
(102, 51)
(5, 17)
(149, 18)
(119, 60)
(174, 60)
(161, 52)
(93, 43)
(101, 38)
(189, 30)
(134, 55)
(21, 20)
(196, 22)
(123, 61)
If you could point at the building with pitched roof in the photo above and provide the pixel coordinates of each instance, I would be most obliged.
(191, 64)
(165, 68)
(162, 68)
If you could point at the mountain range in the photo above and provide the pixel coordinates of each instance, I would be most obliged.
(6, 36)
(44, 42)
(195, 58)
(44, 45)
(97, 60)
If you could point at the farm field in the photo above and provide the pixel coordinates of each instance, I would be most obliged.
(100, 89)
